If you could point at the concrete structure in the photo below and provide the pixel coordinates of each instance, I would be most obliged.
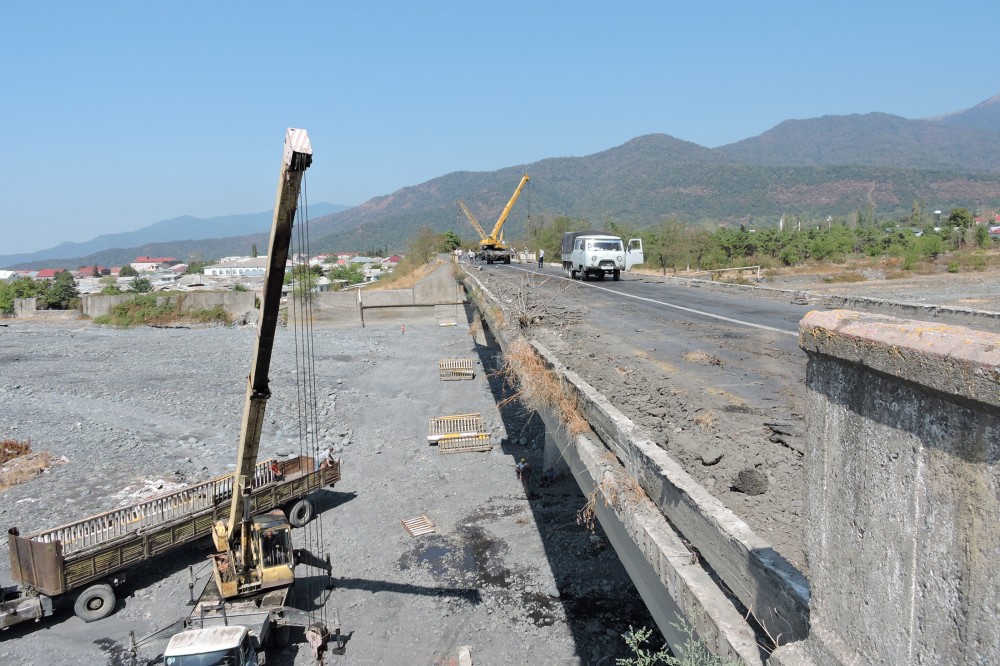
(236, 303)
(436, 295)
(903, 535)
(25, 308)
(662, 502)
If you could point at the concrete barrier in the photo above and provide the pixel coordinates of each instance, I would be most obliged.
(942, 313)
(236, 303)
(24, 308)
(668, 575)
(903, 534)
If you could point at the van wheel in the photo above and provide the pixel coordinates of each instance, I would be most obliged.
(617, 275)
(300, 513)
(572, 274)
(95, 603)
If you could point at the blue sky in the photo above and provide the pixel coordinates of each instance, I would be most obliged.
(116, 115)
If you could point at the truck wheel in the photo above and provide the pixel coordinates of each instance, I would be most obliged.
(584, 275)
(506, 260)
(95, 603)
(617, 275)
(572, 273)
(300, 513)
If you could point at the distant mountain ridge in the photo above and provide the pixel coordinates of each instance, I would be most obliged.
(180, 228)
(832, 165)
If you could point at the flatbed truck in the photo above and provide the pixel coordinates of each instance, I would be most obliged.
(89, 558)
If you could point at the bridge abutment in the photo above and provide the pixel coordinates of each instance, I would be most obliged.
(903, 536)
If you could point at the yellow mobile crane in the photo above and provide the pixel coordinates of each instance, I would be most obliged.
(255, 552)
(492, 248)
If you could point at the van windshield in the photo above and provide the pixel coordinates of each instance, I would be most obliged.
(611, 245)
(228, 657)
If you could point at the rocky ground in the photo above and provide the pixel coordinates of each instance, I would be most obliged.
(127, 413)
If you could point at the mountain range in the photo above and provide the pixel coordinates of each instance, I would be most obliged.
(832, 165)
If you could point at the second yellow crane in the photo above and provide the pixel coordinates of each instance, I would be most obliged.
(492, 247)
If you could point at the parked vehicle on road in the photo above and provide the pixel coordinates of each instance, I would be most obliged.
(597, 254)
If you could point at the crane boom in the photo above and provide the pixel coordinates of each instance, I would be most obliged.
(496, 237)
(296, 159)
(472, 219)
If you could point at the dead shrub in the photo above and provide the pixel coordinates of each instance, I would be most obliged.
(13, 448)
(538, 388)
(18, 464)
(617, 490)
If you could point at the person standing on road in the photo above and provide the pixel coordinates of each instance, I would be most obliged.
(471, 255)
(541, 257)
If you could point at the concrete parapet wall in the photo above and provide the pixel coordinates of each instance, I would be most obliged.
(775, 591)
(903, 535)
(670, 578)
(949, 314)
(24, 308)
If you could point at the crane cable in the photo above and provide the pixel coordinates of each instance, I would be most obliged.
(306, 389)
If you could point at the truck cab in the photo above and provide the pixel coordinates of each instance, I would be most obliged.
(212, 646)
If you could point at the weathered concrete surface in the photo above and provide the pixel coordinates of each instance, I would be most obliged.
(670, 578)
(903, 537)
(775, 592)
(236, 303)
(24, 308)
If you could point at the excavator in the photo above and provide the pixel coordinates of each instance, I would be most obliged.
(492, 248)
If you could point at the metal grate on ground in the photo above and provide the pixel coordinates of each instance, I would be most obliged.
(459, 433)
(418, 526)
(456, 368)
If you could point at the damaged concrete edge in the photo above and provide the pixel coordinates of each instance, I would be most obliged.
(836, 301)
(951, 359)
(698, 598)
(765, 582)
(705, 605)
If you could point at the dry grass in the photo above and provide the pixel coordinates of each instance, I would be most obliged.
(615, 490)
(18, 464)
(538, 388)
(405, 279)
(845, 276)
(13, 448)
(706, 419)
(701, 358)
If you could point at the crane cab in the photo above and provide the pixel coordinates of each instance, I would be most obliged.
(265, 562)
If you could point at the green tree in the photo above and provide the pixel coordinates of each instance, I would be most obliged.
(253, 250)
(982, 235)
(450, 240)
(60, 292)
(141, 285)
(127, 271)
(353, 273)
(960, 217)
(666, 245)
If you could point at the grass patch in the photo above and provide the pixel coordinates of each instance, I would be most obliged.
(845, 276)
(150, 310)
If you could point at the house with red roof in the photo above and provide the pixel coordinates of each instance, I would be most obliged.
(49, 273)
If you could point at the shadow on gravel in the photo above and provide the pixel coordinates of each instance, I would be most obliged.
(594, 592)
(471, 595)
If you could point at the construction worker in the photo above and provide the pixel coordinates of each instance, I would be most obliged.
(521, 468)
